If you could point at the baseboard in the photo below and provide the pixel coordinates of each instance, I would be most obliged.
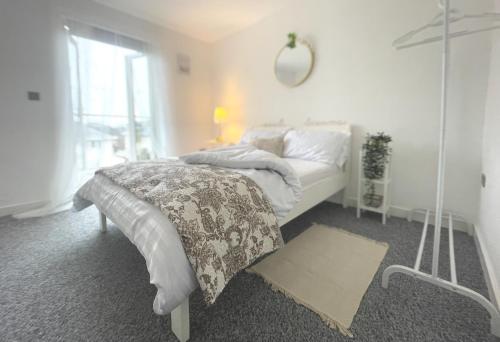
(489, 274)
(402, 212)
(21, 207)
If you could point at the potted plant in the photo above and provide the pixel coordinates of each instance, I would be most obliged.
(376, 153)
(292, 40)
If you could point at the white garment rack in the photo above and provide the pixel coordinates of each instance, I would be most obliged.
(446, 17)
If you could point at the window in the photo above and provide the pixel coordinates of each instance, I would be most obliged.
(111, 97)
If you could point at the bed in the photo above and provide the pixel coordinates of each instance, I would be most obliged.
(158, 241)
(320, 182)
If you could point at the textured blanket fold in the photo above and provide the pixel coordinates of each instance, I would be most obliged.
(248, 157)
(223, 218)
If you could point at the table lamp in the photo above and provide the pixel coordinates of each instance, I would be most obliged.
(220, 116)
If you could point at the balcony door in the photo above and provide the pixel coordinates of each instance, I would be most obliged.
(111, 97)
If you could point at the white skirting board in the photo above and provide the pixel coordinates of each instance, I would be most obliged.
(491, 280)
(402, 212)
(20, 207)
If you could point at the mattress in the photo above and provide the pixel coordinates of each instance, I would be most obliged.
(152, 233)
(310, 172)
(157, 239)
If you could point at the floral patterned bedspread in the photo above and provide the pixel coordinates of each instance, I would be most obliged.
(223, 218)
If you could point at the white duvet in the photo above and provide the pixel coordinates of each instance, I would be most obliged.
(154, 235)
(274, 175)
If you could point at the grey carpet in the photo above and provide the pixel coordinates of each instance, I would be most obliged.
(62, 280)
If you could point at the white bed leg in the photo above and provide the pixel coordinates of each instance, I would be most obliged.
(103, 225)
(180, 321)
(410, 216)
(345, 199)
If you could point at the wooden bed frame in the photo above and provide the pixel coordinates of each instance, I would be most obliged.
(312, 196)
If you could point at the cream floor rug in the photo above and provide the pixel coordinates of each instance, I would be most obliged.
(328, 270)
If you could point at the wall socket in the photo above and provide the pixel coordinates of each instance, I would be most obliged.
(483, 180)
(33, 95)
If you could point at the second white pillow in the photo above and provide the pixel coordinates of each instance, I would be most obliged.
(327, 147)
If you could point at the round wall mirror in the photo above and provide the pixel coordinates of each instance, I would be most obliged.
(294, 65)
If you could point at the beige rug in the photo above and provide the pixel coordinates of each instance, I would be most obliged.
(327, 270)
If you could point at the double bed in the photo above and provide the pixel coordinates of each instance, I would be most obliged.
(158, 240)
(319, 182)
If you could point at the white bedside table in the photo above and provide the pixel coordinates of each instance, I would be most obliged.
(212, 144)
(383, 184)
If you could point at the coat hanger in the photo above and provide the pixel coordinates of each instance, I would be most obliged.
(455, 16)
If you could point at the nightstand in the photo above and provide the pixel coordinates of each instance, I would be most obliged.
(213, 144)
(381, 201)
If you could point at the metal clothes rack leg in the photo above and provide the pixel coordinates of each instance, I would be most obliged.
(433, 278)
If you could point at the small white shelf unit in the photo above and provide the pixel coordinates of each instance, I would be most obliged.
(382, 183)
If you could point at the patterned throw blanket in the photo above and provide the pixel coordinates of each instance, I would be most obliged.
(223, 218)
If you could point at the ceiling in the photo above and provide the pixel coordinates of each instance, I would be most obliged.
(206, 20)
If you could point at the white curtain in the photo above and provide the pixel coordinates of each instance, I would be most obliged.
(108, 106)
(111, 96)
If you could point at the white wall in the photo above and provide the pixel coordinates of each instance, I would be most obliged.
(360, 78)
(489, 213)
(28, 144)
(25, 127)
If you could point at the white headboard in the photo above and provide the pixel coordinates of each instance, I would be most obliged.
(337, 126)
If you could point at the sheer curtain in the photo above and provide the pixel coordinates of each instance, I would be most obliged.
(106, 108)
(111, 97)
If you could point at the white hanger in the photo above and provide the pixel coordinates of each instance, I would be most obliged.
(438, 21)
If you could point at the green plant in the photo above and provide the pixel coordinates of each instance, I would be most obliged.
(376, 152)
(292, 40)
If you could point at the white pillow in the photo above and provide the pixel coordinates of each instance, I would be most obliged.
(263, 133)
(324, 146)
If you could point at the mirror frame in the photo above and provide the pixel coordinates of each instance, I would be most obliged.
(311, 65)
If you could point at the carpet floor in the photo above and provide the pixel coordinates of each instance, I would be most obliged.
(62, 280)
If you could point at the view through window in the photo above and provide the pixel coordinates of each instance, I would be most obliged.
(111, 97)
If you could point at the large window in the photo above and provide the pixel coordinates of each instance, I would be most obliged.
(111, 97)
